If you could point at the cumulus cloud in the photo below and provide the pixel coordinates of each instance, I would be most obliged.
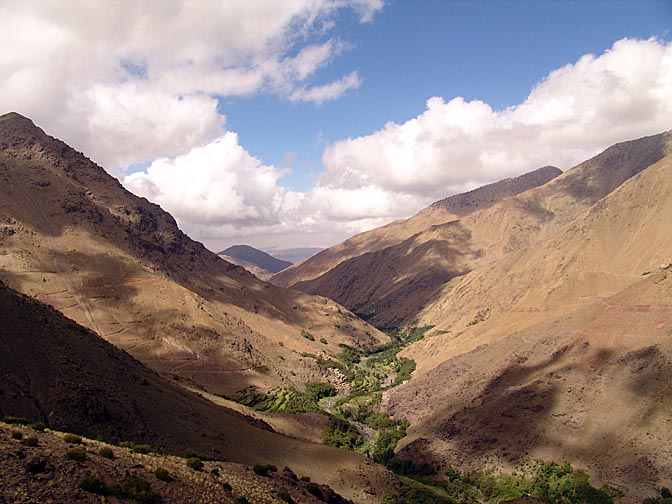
(572, 114)
(453, 145)
(129, 81)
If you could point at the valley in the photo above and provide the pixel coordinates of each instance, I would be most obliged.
(497, 343)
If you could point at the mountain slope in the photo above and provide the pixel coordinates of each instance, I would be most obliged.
(441, 212)
(571, 357)
(257, 257)
(62, 374)
(71, 236)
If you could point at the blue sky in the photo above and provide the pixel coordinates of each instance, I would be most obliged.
(281, 124)
(494, 51)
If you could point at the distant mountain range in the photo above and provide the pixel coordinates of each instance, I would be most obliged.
(255, 261)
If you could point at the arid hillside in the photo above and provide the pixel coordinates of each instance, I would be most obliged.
(560, 348)
(71, 236)
(59, 373)
(395, 233)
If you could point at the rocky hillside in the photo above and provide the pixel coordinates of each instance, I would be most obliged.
(71, 236)
(65, 376)
(560, 347)
(392, 271)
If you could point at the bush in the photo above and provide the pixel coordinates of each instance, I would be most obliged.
(194, 454)
(30, 441)
(139, 489)
(284, 495)
(318, 390)
(38, 426)
(77, 454)
(16, 420)
(17, 435)
(307, 335)
(263, 470)
(72, 439)
(162, 474)
(142, 449)
(242, 500)
(313, 489)
(91, 484)
(323, 341)
(106, 452)
(127, 444)
(227, 487)
(195, 463)
(341, 434)
(214, 473)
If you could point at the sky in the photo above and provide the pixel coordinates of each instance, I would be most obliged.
(300, 123)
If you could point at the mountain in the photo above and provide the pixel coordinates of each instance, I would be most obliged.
(66, 376)
(559, 347)
(294, 255)
(73, 237)
(385, 275)
(261, 264)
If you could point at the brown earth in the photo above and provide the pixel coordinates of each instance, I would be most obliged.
(42, 473)
(71, 236)
(560, 349)
(64, 375)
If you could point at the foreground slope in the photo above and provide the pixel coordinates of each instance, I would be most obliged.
(561, 349)
(71, 236)
(64, 375)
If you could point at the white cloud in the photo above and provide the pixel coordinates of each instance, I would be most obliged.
(573, 113)
(105, 74)
(452, 146)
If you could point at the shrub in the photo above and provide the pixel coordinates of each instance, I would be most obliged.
(30, 441)
(139, 489)
(227, 487)
(195, 463)
(127, 444)
(263, 470)
(305, 478)
(72, 439)
(214, 473)
(284, 495)
(323, 341)
(162, 474)
(106, 452)
(318, 390)
(307, 335)
(142, 449)
(313, 489)
(77, 454)
(38, 426)
(91, 484)
(17, 435)
(341, 434)
(194, 454)
(242, 500)
(16, 420)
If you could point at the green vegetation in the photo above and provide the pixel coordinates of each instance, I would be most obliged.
(342, 434)
(195, 463)
(547, 481)
(77, 454)
(162, 474)
(17, 435)
(38, 426)
(284, 495)
(142, 449)
(91, 484)
(242, 500)
(263, 470)
(227, 487)
(139, 489)
(188, 453)
(30, 441)
(324, 341)
(106, 452)
(287, 400)
(15, 420)
(307, 335)
(72, 439)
